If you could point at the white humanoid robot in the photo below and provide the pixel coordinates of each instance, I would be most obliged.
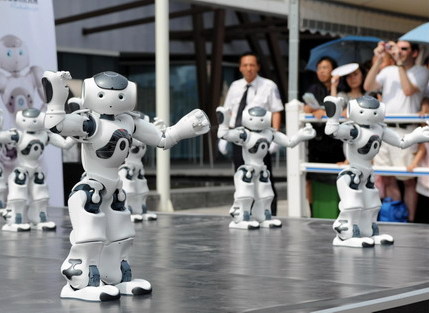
(253, 192)
(97, 267)
(28, 193)
(356, 225)
(18, 81)
(134, 182)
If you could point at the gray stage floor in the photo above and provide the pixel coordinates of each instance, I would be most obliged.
(196, 264)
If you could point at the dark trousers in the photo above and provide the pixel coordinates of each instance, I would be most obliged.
(237, 157)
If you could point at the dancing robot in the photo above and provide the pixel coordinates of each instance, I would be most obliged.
(356, 225)
(134, 182)
(18, 81)
(253, 192)
(97, 267)
(28, 193)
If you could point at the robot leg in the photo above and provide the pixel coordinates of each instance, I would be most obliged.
(368, 223)
(81, 267)
(17, 202)
(114, 266)
(346, 225)
(261, 210)
(37, 211)
(144, 191)
(129, 185)
(243, 199)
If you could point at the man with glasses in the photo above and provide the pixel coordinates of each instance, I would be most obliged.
(402, 88)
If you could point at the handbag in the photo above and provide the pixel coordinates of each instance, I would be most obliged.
(393, 211)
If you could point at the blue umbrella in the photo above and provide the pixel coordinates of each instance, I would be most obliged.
(419, 34)
(349, 49)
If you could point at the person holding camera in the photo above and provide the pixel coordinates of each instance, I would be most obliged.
(402, 86)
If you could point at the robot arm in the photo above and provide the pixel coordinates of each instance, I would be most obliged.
(305, 133)
(9, 136)
(237, 135)
(191, 125)
(55, 85)
(418, 135)
(333, 107)
(61, 142)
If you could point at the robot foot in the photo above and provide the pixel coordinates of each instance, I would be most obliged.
(91, 293)
(383, 239)
(354, 242)
(45, 226)
(244, 225)
(136, 287)
(149, 217)
(16, 227)
(271, 224)
(136, 218)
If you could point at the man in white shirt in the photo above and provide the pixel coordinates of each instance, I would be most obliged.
(260, 92)
(402, 88)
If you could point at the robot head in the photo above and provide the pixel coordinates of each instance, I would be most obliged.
(109, 93)
(256, 118)
(13, 54)
(30, 120)
(366, 110)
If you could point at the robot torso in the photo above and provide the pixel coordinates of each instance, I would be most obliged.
(107, 148)
(366, 146)
(30, 147)
(255, 147)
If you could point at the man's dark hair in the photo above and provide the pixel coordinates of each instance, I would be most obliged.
(329, 59)
(249, 53)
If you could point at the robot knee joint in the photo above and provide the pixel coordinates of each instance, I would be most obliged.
(118, 203)
(247, 175)
(20, 177)
(264, 176)
(92, 195)
(353, 176)
(39, 178)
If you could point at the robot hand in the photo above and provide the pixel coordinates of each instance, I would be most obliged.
(274, 147)
(55, 85)
(223, 116)
(160, 124)
(333, 107)
(191, 125)
(420, 134)
(306, 133)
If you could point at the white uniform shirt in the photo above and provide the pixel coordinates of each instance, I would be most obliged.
(393, 96)
(262, 92)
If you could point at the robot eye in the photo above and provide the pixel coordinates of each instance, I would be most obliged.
(121, 96)
(9, 53)
(21, 52)
(101, 95)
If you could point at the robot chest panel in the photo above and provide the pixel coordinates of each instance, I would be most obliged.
(113, 140)
(257, 145)
(18, 94)
(32, 146)
(369, 143)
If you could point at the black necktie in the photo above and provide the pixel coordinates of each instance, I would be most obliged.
(243, 103)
